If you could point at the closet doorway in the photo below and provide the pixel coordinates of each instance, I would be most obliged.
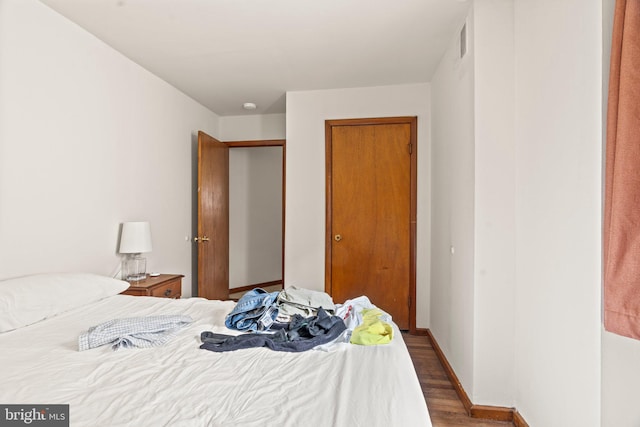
(240, 215)
(256, 215)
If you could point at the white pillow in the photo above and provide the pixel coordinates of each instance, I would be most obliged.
(29, 299)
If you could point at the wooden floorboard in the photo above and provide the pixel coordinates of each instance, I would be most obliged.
(236, 295)
(445, 407)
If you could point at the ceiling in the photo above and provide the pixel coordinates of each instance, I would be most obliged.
(226, 52)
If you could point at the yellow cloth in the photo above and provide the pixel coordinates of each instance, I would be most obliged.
(372, 330)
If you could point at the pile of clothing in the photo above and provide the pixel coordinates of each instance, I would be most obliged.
(298, 319)
(258, 309)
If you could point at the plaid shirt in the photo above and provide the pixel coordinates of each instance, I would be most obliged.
(141, 332)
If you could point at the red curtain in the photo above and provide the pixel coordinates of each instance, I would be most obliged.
(621, 238)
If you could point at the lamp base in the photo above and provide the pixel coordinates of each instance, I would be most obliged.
(134, 268)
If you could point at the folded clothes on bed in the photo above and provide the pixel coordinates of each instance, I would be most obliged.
(304, 302)
(143, 332)
(255, 311)
(302, 333)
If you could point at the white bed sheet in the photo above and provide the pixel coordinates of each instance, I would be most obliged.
(179, 384)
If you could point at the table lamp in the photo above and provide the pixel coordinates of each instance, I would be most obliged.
(134, 240)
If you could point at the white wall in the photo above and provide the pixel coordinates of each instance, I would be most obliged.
(495, 239)
(88, 140)
(620, 379)
(620, 355)
(250, 127)
(255, 199)
(516, 186)
(305, 175)
(452, 222)
(473, 288)
(558, 211)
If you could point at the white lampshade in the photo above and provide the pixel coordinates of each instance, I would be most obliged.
(135, 238)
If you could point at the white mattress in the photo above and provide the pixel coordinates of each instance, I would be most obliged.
(179, 384)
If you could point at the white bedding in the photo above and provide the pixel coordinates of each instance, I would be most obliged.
(179, 384)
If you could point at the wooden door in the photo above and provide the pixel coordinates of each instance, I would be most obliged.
(371, 213)
(213, 218)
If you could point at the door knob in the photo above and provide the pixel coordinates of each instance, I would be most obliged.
(201, 239)
(337, 237)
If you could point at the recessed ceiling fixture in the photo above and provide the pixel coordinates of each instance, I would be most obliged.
(249, 106)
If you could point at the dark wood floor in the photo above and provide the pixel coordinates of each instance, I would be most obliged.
(444, 405)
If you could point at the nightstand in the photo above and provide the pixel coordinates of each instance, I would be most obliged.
(163, 286)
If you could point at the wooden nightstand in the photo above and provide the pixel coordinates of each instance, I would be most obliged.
(163, 286)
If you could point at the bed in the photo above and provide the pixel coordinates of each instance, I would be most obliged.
(179, 384)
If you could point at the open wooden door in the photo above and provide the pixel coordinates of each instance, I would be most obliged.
(371, 213)
(213, 218)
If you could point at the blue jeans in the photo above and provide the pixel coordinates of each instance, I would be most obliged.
(251, 307)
